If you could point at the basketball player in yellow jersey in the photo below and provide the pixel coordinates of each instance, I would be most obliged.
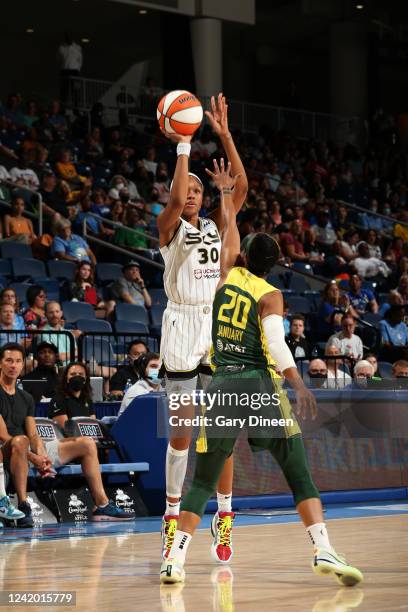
(190, 247)
(248, 341)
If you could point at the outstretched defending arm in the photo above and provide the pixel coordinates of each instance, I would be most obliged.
(271, 314)
(169, 218)
(230, 247)
(218, 118)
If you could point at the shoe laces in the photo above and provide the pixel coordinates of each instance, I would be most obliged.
(224, 530)
(171, 529)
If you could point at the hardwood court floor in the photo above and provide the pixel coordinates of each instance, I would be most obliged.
(270, 570)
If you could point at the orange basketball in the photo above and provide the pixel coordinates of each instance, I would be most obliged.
(179, 111)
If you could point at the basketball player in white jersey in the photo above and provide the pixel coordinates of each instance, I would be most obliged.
(190, 247)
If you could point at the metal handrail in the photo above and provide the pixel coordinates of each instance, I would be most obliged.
(121, 225)
(130, 254)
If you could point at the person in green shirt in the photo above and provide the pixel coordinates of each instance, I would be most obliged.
(126, 238)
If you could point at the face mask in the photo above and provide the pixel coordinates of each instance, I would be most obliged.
(361, 381)
(120, 186)
(153, 376)
(76, 383)
(318, 380)
(387, 211)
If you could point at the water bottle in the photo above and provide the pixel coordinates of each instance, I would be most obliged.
(128, 385)
(19, 385)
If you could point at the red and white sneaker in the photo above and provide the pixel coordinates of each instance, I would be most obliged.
(168, 531)
(221, 528)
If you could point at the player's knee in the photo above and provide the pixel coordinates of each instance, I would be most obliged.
(303, 488)
(180, 444)
(20, 444)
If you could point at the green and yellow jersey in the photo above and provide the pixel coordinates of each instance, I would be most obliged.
(237, 333)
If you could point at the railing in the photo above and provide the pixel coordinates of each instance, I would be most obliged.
(105, 352)
(245, 116)
(30, 338)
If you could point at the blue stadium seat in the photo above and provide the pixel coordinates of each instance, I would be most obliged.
(28, 268)
(298, 304)
(108, 272)
(94, 325)
(63, 270)
(51, 286)
(131, 327)
(372, 317)
(158, 296)
(73, 311)
(15, 250)
(156, 313)
(385, 369)
(97, 349)
(276, 281)
(5, 267)
(298, 284)
(21, 290)
(131, 312)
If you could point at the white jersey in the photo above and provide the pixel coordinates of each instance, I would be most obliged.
(192, 263)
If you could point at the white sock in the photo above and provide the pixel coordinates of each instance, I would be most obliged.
(224, 502)
(2, 483)
(176, 467)
(179, 549)
(319, 536)
(172, 509)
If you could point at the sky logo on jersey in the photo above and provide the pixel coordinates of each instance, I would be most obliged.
(206, 273)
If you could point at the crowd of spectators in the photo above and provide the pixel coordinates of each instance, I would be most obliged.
(111, 183)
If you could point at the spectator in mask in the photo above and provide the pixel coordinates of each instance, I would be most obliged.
(148, 366)
(127, 374)
(74, 397)
(363, 371)
(317, 373)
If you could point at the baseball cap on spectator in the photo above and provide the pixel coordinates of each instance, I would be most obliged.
(45, 344)
(130, 264)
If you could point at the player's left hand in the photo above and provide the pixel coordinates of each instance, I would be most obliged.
(306, 404)
(222, 176)
(218, 116)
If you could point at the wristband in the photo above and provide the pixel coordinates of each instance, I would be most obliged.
(183, 148)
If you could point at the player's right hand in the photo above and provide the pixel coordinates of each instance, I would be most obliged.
(306, 404)
(176, 138)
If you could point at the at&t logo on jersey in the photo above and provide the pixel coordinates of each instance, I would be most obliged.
(228, 347)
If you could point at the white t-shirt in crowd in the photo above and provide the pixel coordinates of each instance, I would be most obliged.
(27, 175)
(141, 387)
(347, 346)
(339, 381)
(4, 174)
(368, 267)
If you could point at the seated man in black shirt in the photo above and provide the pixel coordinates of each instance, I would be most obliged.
(42, 381)
(127, 375)
(21, 443)
(74, 395)
(296, 340)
